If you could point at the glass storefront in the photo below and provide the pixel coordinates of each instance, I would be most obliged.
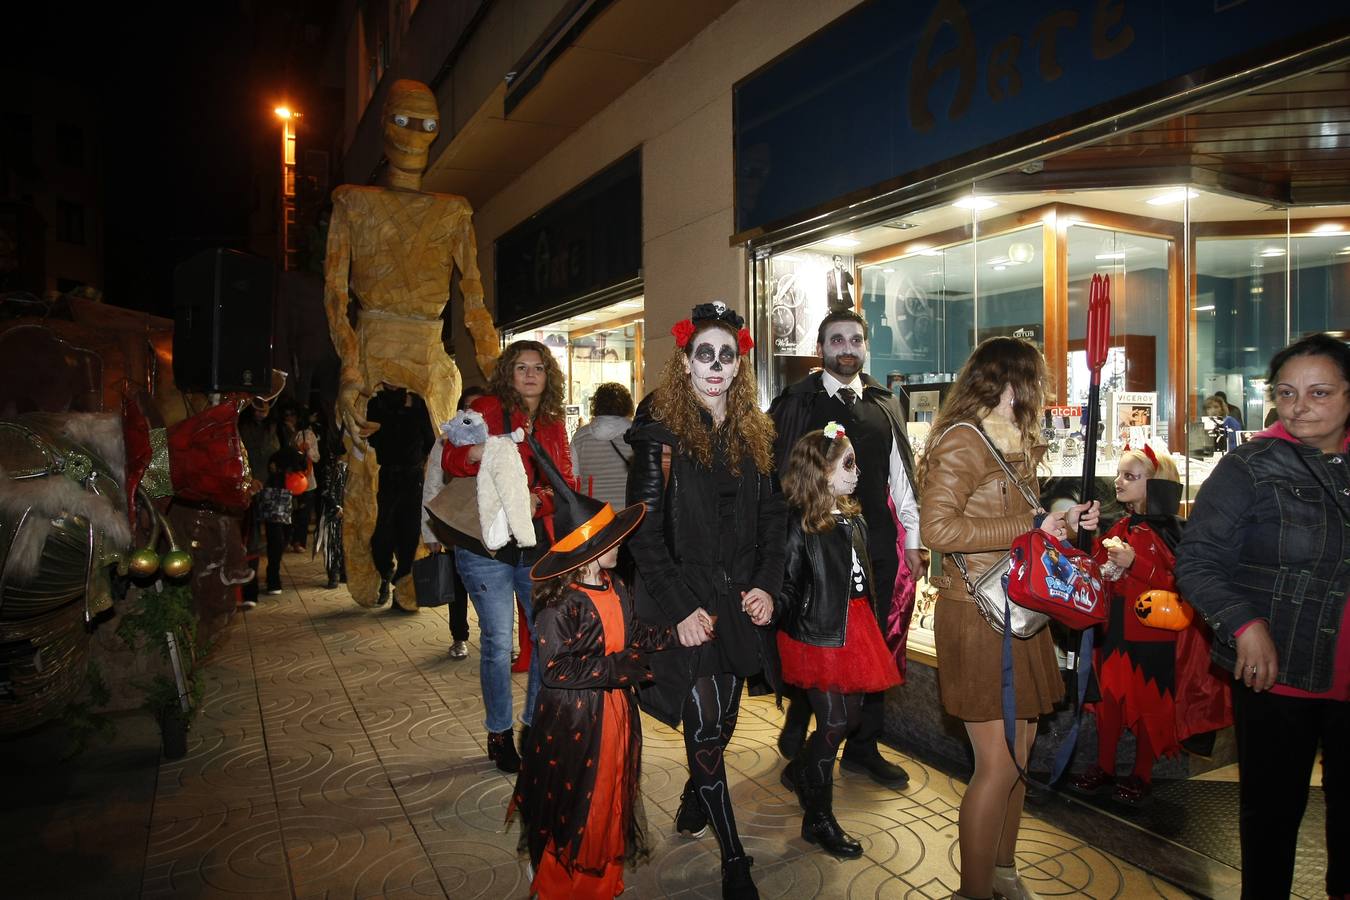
(1206, 283)
(592, 348)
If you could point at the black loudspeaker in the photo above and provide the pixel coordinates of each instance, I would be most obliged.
(222, 322)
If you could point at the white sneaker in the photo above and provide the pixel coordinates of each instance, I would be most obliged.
(248, 604)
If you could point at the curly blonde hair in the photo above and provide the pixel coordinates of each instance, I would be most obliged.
(748, 429)
(502, 383)
(806, 480)
(996, 363)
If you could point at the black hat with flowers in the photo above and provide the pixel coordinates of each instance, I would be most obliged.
(706, 314)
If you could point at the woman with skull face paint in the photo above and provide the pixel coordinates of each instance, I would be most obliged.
(828, 637)
(709, 557)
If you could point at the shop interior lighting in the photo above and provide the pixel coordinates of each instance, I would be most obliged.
(1344, 251)
(1272, 251)
(975, 203)
(887, 271)
(1000, 268)
(1020, 252)
(841, 242)
(1329, 228)
(1172, 197)
(1209, 308)
(901, 224)
(1248, 349)
(1115, 254)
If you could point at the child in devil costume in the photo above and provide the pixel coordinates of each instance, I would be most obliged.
(1154, 682)
(577, 792)
(828, 639)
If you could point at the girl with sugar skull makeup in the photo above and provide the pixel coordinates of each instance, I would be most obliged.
(709, 557)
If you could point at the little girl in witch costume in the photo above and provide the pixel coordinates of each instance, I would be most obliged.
(828, 640)
(577, 792)
(1153, 681)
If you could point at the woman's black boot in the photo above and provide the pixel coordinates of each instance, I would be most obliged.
(819, 825)
(736, 881)
(502, 750)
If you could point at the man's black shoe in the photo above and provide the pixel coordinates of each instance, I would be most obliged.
(879, 769)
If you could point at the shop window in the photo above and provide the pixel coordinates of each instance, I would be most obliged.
(1136, 399)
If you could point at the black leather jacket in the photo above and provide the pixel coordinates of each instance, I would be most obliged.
(1269, 538)
(813, 604)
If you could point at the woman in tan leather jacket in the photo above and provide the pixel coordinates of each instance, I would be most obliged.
(969, 507)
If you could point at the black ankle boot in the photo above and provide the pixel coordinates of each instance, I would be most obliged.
(502, 750)
(819, 825)
(736, 881)
(794, 777)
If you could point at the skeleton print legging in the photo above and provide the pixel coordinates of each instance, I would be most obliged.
(709, 719)
(837, 717)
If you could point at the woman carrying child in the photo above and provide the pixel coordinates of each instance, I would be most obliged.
(577, 792)
(1140, 669)
(828, 640)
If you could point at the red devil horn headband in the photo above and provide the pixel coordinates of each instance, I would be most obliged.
(1148, 452)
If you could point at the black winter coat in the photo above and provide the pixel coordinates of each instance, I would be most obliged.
(813, 605)
(679, 554)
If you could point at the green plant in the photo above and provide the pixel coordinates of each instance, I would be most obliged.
(166, 608)
(82, 719)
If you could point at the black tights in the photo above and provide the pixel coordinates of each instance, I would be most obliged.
(709, 720)
(836, 718)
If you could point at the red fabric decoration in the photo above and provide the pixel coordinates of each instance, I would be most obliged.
(744, 341)
(206, 458)
(136, 437)
(683, 331)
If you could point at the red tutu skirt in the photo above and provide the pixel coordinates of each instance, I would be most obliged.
(862, 666)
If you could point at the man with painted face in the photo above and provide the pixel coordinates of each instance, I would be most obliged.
(393, 250)
(875, 422)
(709, 556)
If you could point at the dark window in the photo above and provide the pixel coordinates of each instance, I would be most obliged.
(70, 222)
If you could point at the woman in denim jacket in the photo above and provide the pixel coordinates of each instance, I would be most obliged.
(1266, 559)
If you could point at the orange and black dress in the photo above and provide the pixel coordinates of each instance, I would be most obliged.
(577, 792)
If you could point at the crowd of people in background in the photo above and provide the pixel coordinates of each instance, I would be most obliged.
(777, 552)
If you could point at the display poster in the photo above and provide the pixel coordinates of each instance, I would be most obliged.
(1135, 415)
(805, 285)
(901, 309)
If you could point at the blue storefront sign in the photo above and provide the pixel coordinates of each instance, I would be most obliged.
(586, 241)
(897, 87)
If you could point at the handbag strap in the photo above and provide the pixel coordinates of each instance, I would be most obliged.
(1032, 500)
(628, 463)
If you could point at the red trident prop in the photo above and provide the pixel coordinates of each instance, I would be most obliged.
(1098, 340)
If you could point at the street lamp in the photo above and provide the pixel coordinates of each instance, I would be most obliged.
(286, 223)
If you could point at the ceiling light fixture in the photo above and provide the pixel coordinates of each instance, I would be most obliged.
(1116, 254)
(1329, 228)
(1172, 197)
(1209, 308)
(841, 242)
(1272, 251)
(975, 203)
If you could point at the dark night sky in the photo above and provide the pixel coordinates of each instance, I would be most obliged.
(184, 111)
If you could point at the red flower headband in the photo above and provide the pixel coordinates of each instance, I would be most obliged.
(1148, 452)
(685, 329)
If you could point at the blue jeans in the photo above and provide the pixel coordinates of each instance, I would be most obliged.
(493, 587)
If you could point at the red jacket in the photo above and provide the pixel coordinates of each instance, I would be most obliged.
(552, 437)
(1150, 571)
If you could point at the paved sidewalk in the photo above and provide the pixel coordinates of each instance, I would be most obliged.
(341, 753)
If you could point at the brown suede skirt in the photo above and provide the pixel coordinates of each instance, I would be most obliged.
(970, 665)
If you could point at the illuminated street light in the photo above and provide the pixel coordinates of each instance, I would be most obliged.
(282, 112)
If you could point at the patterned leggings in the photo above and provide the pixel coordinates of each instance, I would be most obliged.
(837, 717)
(709, 719)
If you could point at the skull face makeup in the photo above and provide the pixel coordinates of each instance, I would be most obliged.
(844, 475)
(410, 122)
(712, 363)
(844, 351)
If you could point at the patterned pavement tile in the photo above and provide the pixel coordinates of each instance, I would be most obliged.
(230, 852)
(341, 754)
